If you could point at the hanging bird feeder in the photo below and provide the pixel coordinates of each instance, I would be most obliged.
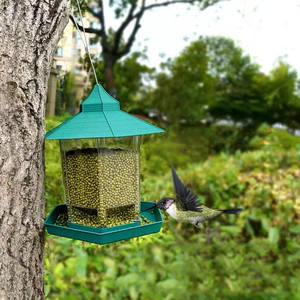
(100, 154)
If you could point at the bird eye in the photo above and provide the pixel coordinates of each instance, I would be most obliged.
(163, 202)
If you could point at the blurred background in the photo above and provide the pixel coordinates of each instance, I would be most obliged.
(221, 77)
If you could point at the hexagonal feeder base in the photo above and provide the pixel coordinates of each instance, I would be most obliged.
(109, 235)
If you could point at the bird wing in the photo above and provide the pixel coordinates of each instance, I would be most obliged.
(185, 199)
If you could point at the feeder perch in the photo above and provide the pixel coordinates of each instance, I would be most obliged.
(100, 154)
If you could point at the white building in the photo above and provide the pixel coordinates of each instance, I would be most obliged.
(69, 51)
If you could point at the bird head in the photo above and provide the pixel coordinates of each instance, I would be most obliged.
(163, 203)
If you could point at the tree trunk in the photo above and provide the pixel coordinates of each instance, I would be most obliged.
(109, 63)
(29, 32)
(110, 81)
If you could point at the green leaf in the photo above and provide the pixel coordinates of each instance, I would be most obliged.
(231, 229)
(82, 261)
(265, 224)
(273, 235)
(295, 229)
(133, 293)
(168, 284)
(129, 279)
(47, 290)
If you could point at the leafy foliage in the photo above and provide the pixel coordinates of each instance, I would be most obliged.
(239, 86)
(251, 256)
(68, 101)
(282, 99)
(214, 80)
(130, 75)
(185, 84)
(84, 4)
(53, 182)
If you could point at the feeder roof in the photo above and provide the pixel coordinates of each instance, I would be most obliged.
(100, 117)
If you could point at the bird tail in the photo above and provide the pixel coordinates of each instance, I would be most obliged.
(232, 211)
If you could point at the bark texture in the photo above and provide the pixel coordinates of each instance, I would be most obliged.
(29, 32)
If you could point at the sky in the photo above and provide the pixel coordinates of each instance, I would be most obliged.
(267, 30)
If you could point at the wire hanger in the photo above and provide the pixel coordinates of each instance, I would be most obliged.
(84, 39)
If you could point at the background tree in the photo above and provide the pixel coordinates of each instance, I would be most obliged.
(131, 76)
(239, 91)
(69, 101)
(239, 83)
(213, 79)
(247, 96)
(185, 87)
(29, 32)
(130, 13)
(282, 99)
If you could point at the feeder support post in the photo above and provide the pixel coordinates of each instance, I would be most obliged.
(29, 33)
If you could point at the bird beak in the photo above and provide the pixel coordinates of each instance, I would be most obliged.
(151, 207)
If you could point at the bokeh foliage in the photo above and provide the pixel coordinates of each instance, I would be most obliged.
(212, 80)
(255, 255)
(246, 164)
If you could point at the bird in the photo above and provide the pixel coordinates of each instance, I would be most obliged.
(185, 207)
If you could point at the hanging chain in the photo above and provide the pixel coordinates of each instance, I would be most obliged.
(84, 39)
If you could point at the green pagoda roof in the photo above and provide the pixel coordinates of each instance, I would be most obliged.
(100, 117)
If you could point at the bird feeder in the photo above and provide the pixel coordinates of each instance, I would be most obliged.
(100, 155)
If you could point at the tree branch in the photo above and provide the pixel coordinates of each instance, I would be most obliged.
(104, 42)
(122, 27)
(166, 3)
(98, 32)
(139, 15)
(133, 33)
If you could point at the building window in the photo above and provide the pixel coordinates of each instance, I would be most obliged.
(59, 51)
(58, 68)
(74, 51)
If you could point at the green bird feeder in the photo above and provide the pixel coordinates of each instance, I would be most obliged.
(100, 155)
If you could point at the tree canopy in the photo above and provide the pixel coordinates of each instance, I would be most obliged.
(185, 87)
(129, 13)
(214, 79)
(131, 74)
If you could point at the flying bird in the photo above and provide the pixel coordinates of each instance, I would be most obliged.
(185, 207)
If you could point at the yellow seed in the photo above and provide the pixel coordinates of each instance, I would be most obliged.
(111, 177)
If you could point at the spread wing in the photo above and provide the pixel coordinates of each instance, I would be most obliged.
(185, 199)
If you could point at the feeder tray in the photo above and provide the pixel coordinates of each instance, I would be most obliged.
(105, 235)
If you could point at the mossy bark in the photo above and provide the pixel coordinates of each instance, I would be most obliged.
(29, 33)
